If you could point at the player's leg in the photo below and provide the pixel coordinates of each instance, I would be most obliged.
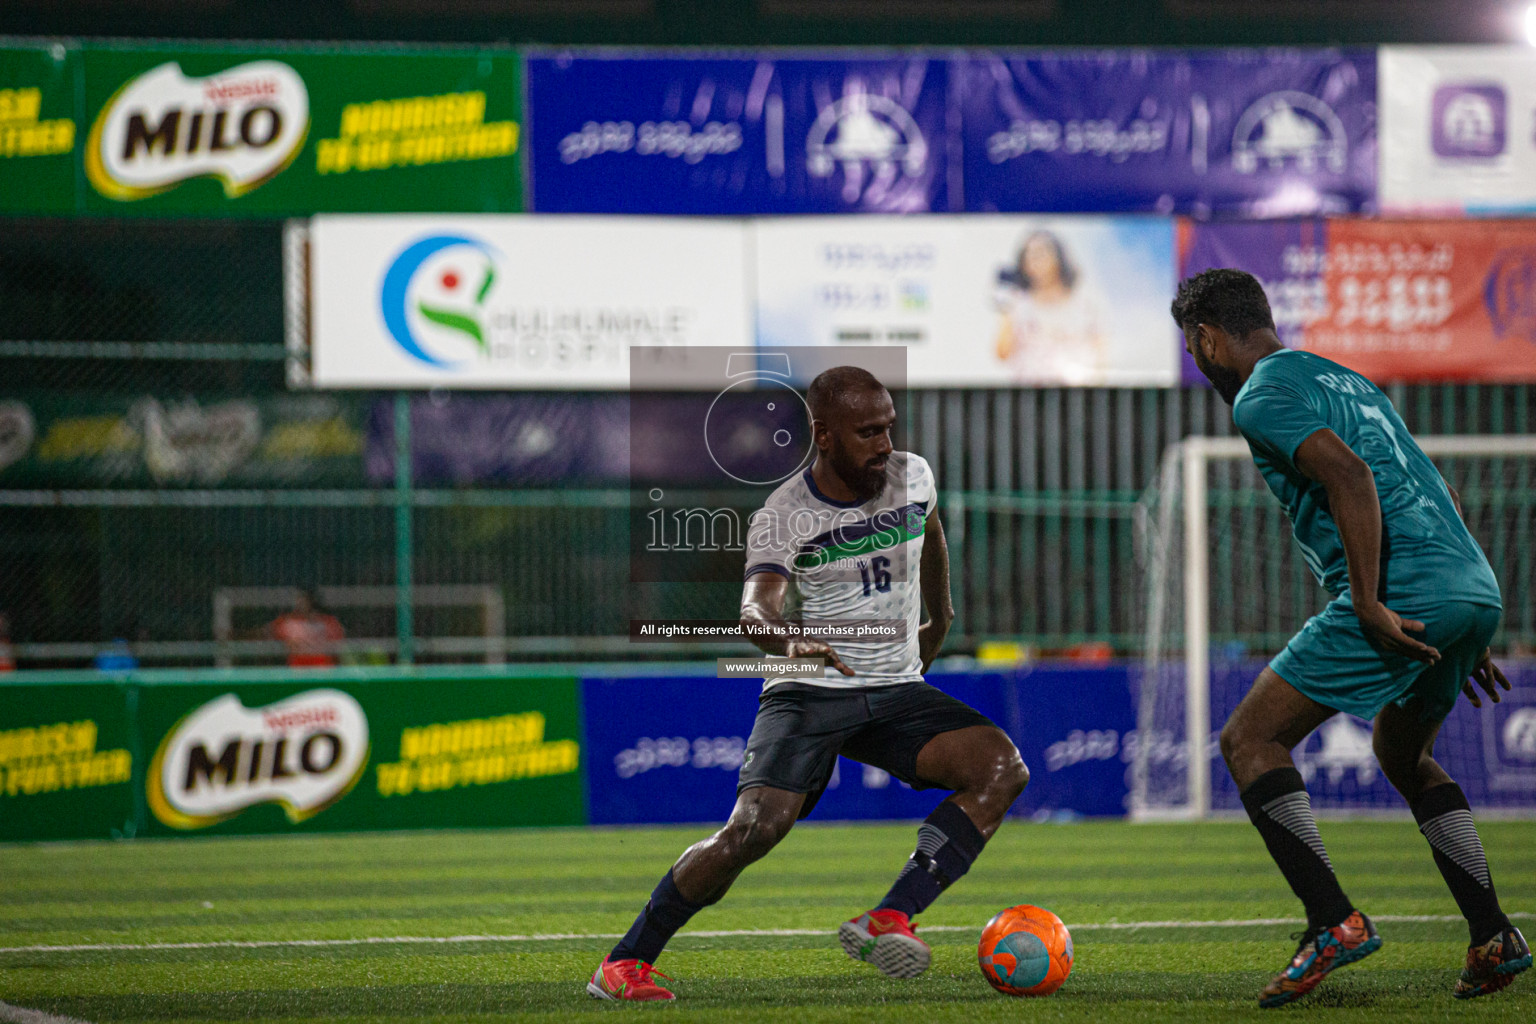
(763, 815)
(1404, 740)
(1256, 743)
(929, 739)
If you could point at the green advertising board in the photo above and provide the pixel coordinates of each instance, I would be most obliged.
(121, 128)
(39, 140)
(269, 751)
(453, 751)
(67, 761)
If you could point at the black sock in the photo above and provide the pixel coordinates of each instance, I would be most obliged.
(947, 844)
(1280, 809)
(1446, 821)
(665, 912)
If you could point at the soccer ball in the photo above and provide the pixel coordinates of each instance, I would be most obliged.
(1025, 951)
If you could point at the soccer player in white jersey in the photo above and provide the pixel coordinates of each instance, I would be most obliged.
(856, 538)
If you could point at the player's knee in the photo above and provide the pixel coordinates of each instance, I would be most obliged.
(1014, 777)
(749, 841)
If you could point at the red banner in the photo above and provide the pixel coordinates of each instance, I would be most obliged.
(1413, 301)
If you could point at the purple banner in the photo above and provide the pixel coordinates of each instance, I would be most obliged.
(676, 135)
(1263, 133)
(520, 439)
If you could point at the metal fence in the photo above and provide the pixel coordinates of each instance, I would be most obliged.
(142, 322)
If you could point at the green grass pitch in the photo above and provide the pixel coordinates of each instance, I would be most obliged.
(586, 883)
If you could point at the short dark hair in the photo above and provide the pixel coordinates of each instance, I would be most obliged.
(1230, 299)
(831, 385)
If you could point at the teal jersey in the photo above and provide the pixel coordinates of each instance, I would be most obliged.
(1428, 555)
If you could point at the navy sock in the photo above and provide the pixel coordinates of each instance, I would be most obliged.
(947, 844)
(665, 912)
(1446, 821)
(1278, 805)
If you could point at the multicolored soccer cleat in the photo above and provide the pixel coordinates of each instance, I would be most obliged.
(1320, 953)
(885, 938)
(1493, 965)
(628, 980)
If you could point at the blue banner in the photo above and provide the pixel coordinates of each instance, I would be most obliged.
(668, 749)
(1262, 133)
(765, 135)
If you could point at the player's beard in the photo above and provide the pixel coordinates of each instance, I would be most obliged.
(866, 481)
(1226, 382)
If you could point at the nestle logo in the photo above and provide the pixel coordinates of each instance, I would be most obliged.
(1469, 120)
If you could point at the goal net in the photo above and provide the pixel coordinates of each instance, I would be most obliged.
(1225, 587)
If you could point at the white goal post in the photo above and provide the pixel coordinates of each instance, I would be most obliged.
(1171, 773)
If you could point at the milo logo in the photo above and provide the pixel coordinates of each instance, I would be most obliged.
(304, 753)
(242, 126)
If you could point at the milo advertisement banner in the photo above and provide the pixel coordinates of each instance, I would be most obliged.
(334, 755)
(37, 128)
(237, 131)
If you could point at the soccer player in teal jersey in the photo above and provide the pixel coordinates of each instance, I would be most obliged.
(1383, 533)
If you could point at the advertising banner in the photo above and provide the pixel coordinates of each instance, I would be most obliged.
(749, 135)
(38, 135)
(1414, 301)
(66, 761)
(1262, 133)
(978, 301)
(526, 439)
(250, 756)
(230, 131)
(516, 302)
(668, 749)
(1457, 129)
(1490, 751)
(93, 440)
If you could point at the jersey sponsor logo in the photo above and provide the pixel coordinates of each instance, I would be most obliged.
(433, 298)
(243, 126)
(303, 753)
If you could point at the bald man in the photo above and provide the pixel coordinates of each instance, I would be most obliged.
(854, 538)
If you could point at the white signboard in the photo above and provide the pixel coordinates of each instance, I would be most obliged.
(1457, 130)
(516, 301)
(978, 300)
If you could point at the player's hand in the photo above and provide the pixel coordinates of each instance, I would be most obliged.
(1488, 676)
(817, 649)
(1386, 629)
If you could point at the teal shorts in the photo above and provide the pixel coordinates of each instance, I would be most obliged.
(1333, 663)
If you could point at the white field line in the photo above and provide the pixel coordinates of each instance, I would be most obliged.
(453, 940)
(21, 1015)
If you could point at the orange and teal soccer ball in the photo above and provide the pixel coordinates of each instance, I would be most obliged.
(1025, 951)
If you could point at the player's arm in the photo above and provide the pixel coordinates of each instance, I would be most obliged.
(763, 622)
(935, 586)
(1356, 511)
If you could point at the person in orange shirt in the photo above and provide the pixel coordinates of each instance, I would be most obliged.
(310, 634)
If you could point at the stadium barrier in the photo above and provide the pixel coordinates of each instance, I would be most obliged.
(272, 751)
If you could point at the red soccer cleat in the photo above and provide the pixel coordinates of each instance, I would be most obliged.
(1493, 965)
(885, 938)
(627, 980)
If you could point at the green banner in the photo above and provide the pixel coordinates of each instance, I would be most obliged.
(258, 131)
(85, 440)
(39, 140)
(455, 751)
(67, 761)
